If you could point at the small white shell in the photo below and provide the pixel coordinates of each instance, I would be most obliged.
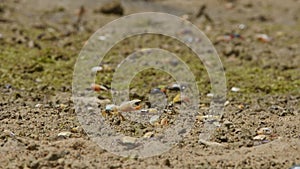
(235, 89)
(260, 137)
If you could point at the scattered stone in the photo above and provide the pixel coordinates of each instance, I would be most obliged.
(148, 134)
(97, 69)
(110, 107)
(32, 146)
(295, 167)
(9, 133)
(206, 118)
(53, 156)
(102, 38)
(241, 106)
(112, 7)
(39, 105)
(210, 95)
(210, 143)
(235, 89)
(61, 161)
(32, 44)
(260, 137)
(242, 26)
(154, 119)
(226, 103)
(64, 134)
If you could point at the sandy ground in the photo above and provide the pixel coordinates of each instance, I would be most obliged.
(39, 44)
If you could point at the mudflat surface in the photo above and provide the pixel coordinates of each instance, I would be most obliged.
(40, 42)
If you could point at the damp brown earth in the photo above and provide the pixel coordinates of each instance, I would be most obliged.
(258, 43)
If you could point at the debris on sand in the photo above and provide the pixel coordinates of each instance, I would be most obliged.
(260, 137)
(9, 133)
(64, 134)
(148, 134)
(210, 143)
(97, 69)
(235, 89)
(154, 119)
(112, 7)
(229, 37)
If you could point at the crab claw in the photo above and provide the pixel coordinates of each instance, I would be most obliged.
(98, 88)
(129, 106)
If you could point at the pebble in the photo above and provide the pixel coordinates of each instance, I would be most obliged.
(235, 89)
(110, 107)
(1, 36)
(260, 137)
(89, 108)
(154, 119)
(148, 134)
(295, 167)
(97, 69)
(64, 134)
(53, 156)
(264, 131)
(102, 38)
(226, 103)
(207, 118)
(129, 140)
(38, 105)
(210, 95)
(209, 143)
(9, 133)
(242, 26)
